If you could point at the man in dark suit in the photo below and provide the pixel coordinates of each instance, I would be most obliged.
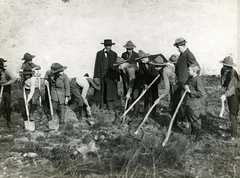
(185, 59)
(108, 75)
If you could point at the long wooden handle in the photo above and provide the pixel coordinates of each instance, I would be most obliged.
(39, 87)
(126, 103)
(144, 91)
(50, 101)
(173, 117)
(222, 109)
(145, 118)
(1, 92)
(25, 103)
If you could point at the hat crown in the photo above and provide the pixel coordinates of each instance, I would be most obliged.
(2, 60)
(174, 58)
(158, 60)
(56, 66)
(142, 53)
(129, 44)
(119, 59)
(180, 41)
(108, 42)
(228, 60)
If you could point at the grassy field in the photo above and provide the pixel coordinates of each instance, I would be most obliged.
(105, 150)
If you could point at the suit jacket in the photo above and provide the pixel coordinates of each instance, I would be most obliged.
(132, 58)
(193, 99)
(108, 78)
(185, 60)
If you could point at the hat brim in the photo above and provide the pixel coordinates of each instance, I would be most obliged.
(172, 61)
(129, 47)
(22, 72)
(180, 43)
(28, 59)
(119, 63)
(97, 87)
(231, 65)
(147, 55)
(58, 70)
(158, 64)
(108, 44)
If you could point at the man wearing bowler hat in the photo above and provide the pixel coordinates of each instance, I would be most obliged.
(130, 66)
(108, 75)
(6, 79)
(185, 59)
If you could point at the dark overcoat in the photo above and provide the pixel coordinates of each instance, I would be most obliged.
(109, 76)
(185, 60)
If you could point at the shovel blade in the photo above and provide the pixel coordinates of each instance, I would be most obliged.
(54, 123)
(29, 125)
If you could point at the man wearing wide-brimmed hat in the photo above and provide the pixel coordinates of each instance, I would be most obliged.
(130, 66)
(59, 87)
(231, 83)
(6, 79)
(108, 75)
(28, 61)
(79, 88)
(185, 59)
(147, 73)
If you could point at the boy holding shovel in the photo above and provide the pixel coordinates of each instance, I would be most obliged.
(31, 89)
(59, 89)
(231, 84)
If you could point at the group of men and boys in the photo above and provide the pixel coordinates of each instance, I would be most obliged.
(139, 72)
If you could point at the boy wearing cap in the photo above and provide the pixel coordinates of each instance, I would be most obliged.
(192, 100)
(6, 79)
(28, 61)
(185, 59)
(129, 67)
(231, 83)
(79, 87)
(59, 88)
(108, 75)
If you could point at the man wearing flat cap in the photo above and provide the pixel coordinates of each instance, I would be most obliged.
(108, 75)
(185, 59)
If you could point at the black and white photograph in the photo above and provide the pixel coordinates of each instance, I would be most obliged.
(119, 89)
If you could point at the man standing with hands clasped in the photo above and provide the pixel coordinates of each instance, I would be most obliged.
(108, 75)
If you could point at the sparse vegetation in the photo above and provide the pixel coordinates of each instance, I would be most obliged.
(80, 150)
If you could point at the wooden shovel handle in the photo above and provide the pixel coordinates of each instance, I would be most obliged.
(145, 118)
(50, 100)
(1, 92)
(173, 117)
(143, 92)
(25, 103)
(222, 109)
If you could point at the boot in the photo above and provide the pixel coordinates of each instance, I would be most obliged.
(110, 105)
(62, 115)
(80, 109)
(33, 107)
(8, 117)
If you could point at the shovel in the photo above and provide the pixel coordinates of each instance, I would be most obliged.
(29, 125)
(173, 117)
(54, 123)
(145, 118)
(143, 92)
(125, 108)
